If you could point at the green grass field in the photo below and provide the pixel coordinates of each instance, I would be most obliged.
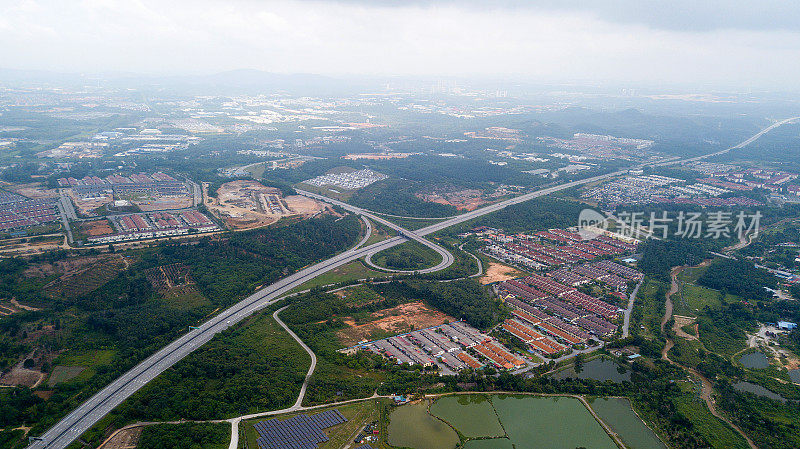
(716, 432)
(648, 309)
(694, 298)
(379, 233)
(63, 374)
(89, 359)
(352, 271)
(332, 192)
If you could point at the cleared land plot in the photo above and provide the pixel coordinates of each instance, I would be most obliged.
(22, 377)
(388, 322)
(45, 269)
(124, 439)
(94, 228)
(75, 284)
(64, 374)
(247, 204)
(87, 361)
(498, 272)
(303, 205)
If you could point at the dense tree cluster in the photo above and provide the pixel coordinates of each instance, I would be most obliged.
(770, 423)
(659, 256)
(185, 436)
(739, 277)
(543, 213)
(243, 370)
(396, 196)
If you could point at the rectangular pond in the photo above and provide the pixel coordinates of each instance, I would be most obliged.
(618, 414)
(500, 421)
(534, 422)
(471, 414)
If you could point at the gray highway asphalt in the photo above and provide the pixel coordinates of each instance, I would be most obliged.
(447, 257)
(91, 411)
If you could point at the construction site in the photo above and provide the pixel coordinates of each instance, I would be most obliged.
(247, 204)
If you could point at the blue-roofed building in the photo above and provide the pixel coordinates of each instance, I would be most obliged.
(787, 325)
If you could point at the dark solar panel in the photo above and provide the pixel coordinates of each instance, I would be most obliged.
(297, 432)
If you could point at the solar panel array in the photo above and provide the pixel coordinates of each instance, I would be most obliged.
(297, 432)
(364, 446)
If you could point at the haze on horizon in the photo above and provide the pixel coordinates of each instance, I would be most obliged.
(722, 44)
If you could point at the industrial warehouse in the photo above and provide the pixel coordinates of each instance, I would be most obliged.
(155, 225)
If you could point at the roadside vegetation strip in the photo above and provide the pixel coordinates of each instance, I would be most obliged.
(299, 402)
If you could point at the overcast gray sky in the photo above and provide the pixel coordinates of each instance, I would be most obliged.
(731, 43)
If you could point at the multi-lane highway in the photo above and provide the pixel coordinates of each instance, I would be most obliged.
(87, 414)
(447, 257)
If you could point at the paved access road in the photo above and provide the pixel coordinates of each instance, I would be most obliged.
(87, 414)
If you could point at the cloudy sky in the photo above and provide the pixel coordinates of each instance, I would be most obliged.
(733, 43)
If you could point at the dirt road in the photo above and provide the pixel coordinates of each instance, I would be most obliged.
(706, 391)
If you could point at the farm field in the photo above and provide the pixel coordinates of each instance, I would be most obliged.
(92, 229)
